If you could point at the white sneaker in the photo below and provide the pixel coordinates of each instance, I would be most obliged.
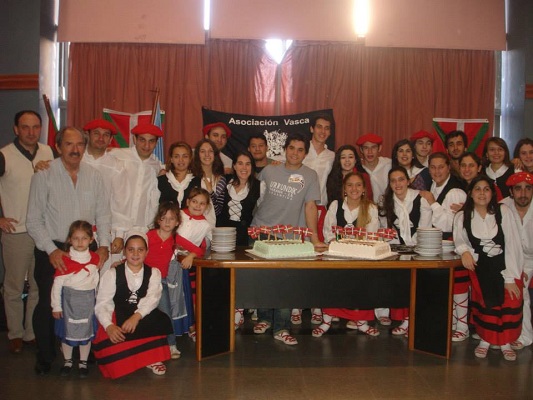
(174, 352)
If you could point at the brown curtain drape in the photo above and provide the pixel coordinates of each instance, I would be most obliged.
(387, 91)
(392, 92)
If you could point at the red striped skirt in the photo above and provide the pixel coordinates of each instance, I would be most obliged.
(461, 280)
(120, 359)
(497, 325)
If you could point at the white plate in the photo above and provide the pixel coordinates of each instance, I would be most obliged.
(428, 253)
(253, 253)
(223, 249)
(382, 257)
(225, 229)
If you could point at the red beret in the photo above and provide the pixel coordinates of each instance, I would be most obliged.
(422, 135)
(100, 123)
(222, 125)
(519, 177)
(150, 129)
(369, 137)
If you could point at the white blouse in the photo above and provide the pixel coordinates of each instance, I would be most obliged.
(104, 300)
(402, 209)
(485, 229)
(349, 216)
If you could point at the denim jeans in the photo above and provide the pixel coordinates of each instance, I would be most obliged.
(164, 305)
(279, 318)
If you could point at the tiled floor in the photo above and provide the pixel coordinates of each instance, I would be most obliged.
(340, 365)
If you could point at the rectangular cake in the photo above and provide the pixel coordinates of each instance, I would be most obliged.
(283, 248)
(370, 249)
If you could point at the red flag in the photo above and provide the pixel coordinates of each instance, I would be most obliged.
(52, 126)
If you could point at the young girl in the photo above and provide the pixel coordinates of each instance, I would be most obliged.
(161, 244)
(403, 155)
(175, 184)
(192, 233)
(487, 238)
(73, 296)
(498, 166)
(356, 210)
(132, 333)
(346, 160)
(208, 170)
(404, 210)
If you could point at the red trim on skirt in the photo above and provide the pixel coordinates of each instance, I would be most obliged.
(399, 314)
(353, 315)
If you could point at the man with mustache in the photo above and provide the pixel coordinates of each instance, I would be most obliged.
(521, 187)
(17, 162)
(67, 191)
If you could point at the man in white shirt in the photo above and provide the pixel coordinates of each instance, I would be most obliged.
(456, 144)
(320, 159)
(521, 187)
(99, 133)
(376, 166)
(135, 196)
(423, 142)
(219, 133)
(378, 169)
(446, 198)
(17, 162)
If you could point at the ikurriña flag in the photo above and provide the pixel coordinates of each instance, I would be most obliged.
(274, 128)
(125, 122)
(476, 131)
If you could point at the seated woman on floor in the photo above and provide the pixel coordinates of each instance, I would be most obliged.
(133, 331)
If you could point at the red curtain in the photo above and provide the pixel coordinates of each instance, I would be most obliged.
(388, 91)
(392, 92)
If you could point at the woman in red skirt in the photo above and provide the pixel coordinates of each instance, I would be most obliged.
(488, 241)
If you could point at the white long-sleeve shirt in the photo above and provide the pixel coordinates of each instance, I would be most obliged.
(350, 216)
(525, 230)
(442, 213)
(379, 177)
(485, 229)
(321, 164)
(104, 300)
(135, 196)
(108, 166)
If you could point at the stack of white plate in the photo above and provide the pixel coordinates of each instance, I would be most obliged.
(448, 246)
(429, 241)
(224, 239)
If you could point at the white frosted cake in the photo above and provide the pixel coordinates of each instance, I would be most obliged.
(370, 249)
(283, 248)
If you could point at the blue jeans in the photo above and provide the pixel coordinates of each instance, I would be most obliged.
(279, 318)
(164, 305)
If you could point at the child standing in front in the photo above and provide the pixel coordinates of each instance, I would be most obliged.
(191, 236)
(73, 297)
(161, 247)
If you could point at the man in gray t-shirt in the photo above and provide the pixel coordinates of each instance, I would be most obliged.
(291, 191)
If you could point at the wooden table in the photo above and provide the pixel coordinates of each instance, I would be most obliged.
(226, 281)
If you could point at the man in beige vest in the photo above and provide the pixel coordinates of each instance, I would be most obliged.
(17, 162)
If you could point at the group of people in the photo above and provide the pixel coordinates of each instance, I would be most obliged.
(115, 228)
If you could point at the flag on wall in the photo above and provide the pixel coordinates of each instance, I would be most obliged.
(125, 122)
(476, 131)
(52, 126)
(274, 128)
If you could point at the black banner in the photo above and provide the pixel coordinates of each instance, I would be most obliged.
(274, 128)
